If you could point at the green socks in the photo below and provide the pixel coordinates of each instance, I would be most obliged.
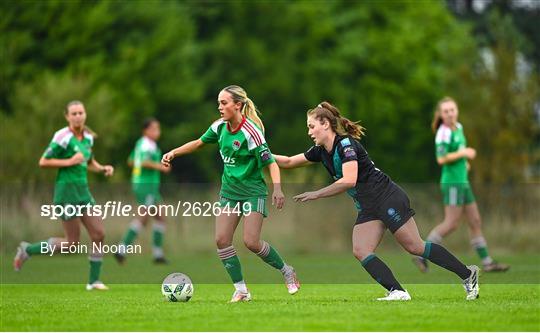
(270, 256)
(231, 263)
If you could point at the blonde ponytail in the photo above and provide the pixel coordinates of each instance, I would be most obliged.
(250, 111)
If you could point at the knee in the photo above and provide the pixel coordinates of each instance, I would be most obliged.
(254, 245)
(71, 240)
(475, 223)
(416, 248)
(97, 236)
(452, 225)
(361, 253)
(222, 242)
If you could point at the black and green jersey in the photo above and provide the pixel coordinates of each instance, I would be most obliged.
(71, 185)
(372, 185)
(449, 141)
(145, 150)
(244, 152)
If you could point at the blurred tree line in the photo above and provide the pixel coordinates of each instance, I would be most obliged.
(385, 63)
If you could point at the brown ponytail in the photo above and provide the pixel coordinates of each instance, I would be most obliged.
(339, 124)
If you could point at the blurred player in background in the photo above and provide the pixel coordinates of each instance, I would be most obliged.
(239, 134)
(70, 151)
(145, 178)
(381, 203)
(453, 154)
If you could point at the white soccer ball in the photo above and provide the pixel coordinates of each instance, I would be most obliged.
(177, 287)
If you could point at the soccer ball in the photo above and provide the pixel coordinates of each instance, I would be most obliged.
(177, 287)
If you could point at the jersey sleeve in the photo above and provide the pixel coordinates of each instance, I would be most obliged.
(263, 155)
(57, 146)
(211, 134)
(442, 141)
(347, 150)
(54, 150)
(313, 154)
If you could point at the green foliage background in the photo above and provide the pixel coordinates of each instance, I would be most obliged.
(385, 63)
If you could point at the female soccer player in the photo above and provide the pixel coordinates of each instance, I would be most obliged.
(244, 151)
(145, 178)
(71, 152)
(380, 202)
(452, 154)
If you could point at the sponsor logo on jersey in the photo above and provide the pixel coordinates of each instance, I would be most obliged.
(394, 215)
(227, 159)
(349, 151)
(345, 142)
(236, 144)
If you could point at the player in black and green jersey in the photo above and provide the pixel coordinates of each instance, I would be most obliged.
(239, 134)
(145, 178)
(71, 152)
(453, 154)
(381, 204)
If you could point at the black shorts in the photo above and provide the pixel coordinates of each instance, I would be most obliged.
(395, 210)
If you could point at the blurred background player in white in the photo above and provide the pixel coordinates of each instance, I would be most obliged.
(453, 154)
(381, 203)
(70, 151)
(239, 134)
(145, 178)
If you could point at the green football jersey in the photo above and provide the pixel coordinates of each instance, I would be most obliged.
(71, 182)
(244, 152)
(449, 141)
(145, 150)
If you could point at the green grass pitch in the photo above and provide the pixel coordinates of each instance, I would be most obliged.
(30, 306)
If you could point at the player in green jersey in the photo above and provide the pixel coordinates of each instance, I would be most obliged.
(453, 154)
(71, 152)
(239, 134)
(145, 178)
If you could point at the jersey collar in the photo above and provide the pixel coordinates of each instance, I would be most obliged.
(238, 128)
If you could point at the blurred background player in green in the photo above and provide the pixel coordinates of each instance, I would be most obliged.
(70, 151)
(239, 134)
(453, 154)
(145, 178)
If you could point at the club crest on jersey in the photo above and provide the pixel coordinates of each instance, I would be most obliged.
(345, 142)
(236, 144)
(394, 215)
(265, 155)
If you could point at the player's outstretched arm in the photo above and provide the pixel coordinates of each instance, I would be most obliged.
(185, 149)
(290, 162)
(350, 175)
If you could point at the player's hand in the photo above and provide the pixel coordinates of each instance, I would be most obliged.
(278, 199)
(470, 153)
(108, 170)
(306, 196)
(78, 158)
(167, 158)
